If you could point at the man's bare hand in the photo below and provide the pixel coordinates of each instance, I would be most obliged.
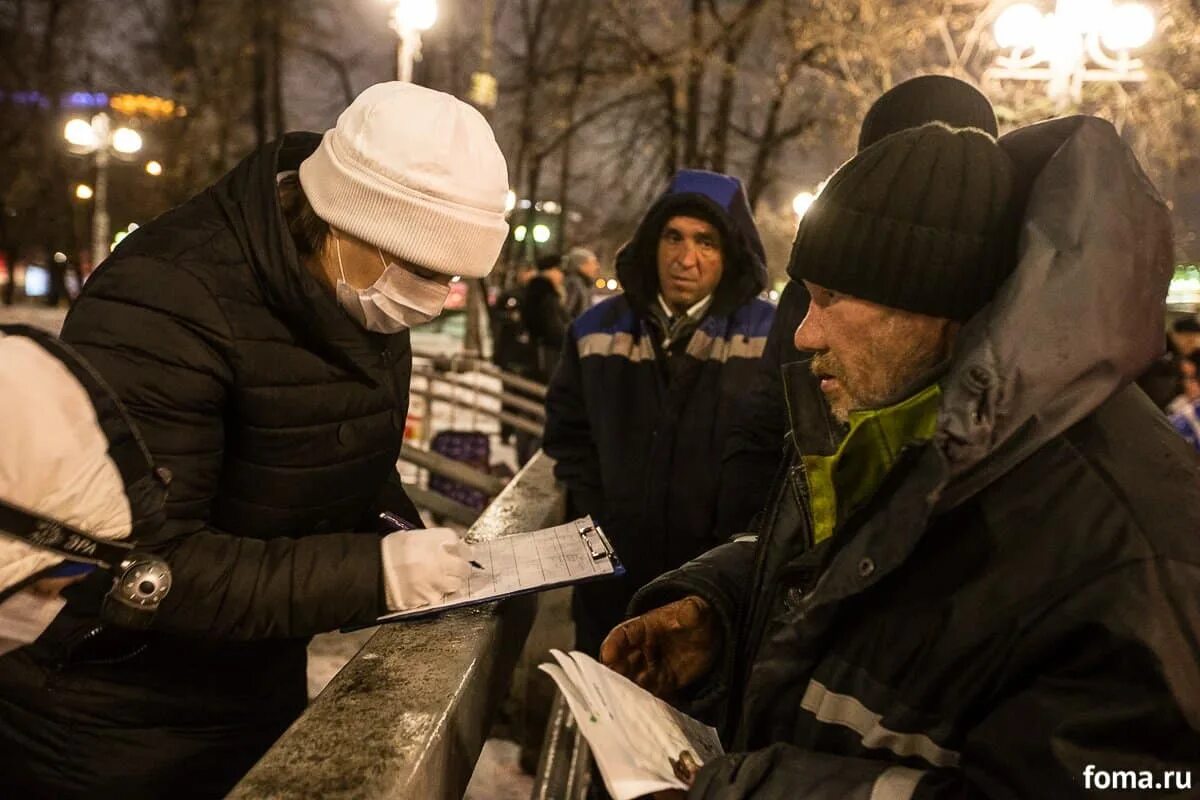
(667, 649)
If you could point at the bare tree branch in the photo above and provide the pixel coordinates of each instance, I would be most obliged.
(334, 62)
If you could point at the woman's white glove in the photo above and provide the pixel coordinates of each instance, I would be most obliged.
(421, 566)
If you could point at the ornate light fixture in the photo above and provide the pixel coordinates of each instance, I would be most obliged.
(1080, 41)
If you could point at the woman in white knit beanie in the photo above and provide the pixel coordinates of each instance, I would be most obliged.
(258, 336)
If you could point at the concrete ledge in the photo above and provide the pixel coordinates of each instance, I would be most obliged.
(407, 717)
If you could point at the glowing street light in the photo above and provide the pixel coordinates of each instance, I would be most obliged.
(1018, 27)
(1128, 27)
(121, 235)
(802, 202)
(99, 139)
(420, 15)
(409, 19)
(126, 141)
(541, 233)
(154, 168)
(1080, 41)
(80, 133)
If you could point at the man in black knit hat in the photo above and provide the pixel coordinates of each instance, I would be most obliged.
(982, 578)
(755, 447)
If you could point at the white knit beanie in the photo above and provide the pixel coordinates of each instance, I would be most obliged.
(418, 174)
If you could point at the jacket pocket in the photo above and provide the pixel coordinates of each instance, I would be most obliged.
(104, 645)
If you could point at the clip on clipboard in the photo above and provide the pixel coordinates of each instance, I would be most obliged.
(520, 563)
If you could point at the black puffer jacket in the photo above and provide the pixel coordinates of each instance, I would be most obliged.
(1017, 609)
(280, 420)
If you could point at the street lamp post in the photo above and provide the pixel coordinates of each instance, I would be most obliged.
(101, 126)
(409, 19)
(1080, 41)
(99, 138)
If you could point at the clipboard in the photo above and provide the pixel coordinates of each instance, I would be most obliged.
(522, 563)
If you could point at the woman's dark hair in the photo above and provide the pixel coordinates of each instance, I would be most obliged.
(308, 230)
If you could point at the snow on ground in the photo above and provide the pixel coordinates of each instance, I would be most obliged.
(39, 316)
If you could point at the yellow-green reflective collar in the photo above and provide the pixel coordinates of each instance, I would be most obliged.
(840, 484)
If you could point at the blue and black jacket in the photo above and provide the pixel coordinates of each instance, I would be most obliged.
(639, 446)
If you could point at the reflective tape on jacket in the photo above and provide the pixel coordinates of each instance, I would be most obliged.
(616, 344)
(701, 347)
(710, 348)
(842, 709)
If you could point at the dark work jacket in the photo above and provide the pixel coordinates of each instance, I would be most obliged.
(514, 347)
(756, 444)
(638, 450)
(280, 420)
(546, 319)
(1021, 597)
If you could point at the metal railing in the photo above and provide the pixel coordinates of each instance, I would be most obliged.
(564, 769)
(461, 382)
(407, 717)
(470, 362)
(519, 402)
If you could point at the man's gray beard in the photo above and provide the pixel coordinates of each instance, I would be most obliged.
(841, 412)
(902, 384)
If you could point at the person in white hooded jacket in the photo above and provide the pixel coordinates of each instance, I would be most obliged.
(63, 494)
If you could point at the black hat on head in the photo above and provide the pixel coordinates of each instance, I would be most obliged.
(719, 200)
(549, 262)
(919, 221)
(927, 98)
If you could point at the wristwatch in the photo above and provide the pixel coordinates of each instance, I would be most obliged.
(141, 582)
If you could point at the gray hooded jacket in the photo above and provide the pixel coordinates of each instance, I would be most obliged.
(1021, 597)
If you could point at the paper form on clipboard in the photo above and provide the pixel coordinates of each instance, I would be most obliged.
(532, 561)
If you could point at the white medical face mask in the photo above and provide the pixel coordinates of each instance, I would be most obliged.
(398, 299)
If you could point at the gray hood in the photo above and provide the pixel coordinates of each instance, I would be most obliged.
(1080, 317)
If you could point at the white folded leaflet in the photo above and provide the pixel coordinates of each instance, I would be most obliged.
(639, 743)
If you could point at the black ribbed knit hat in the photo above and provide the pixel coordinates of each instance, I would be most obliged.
(919, 221)
(927, 98)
